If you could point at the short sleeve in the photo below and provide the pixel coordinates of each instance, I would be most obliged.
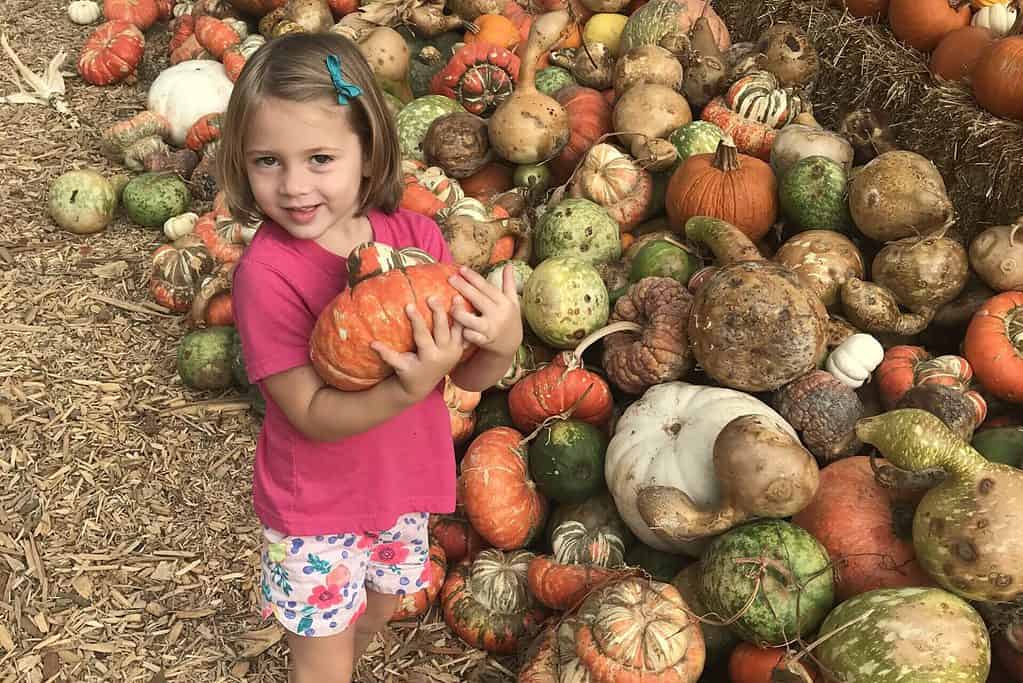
(431, 240)
(273, 322)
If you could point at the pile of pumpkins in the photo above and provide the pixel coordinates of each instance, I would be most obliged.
(975, 42)
(729, 312)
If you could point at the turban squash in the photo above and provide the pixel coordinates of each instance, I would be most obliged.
(381, 283)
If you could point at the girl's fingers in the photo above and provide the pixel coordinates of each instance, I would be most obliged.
(469, 320)
(420, 333)
(508, 282)
(400, 362)
(441, 326)
(475, 337)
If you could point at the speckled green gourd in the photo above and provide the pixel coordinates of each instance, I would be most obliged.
(552, 79)
(813, 195)
(580, 228)
(564, 300)
(648, 24)
(566, 460)
(905, 635)
(415, 118)
(82, 201)
(522, 270)
(206, 358)
(696, 137)
(661, 258)
(795, 594)
(967, 529)
(152, 198)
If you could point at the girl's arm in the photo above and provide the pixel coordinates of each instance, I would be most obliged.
(482, 371)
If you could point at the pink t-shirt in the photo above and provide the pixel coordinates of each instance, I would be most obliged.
(363, 483)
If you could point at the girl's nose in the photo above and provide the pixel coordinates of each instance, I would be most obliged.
(294, 182)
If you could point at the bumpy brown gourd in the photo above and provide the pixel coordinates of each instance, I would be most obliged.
(824, 412)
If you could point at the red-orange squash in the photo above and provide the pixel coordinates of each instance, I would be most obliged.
(866, 531)
(589, 117)
(111, 53)
(493, 178)
(956, 55)
(178, 269)
(994, 345)
(501, 500)
(998, 78)
(488, 604)
(461, 404)
(381, 283)
(751, 664)
(560, 387)
(411, 605)
(456, 536)
(141, 13)
(204, 131)
(897, 372)
(923, 23)
(215, 35)
(582, 559)
(222, 236)
(751, 137)
(733, 187)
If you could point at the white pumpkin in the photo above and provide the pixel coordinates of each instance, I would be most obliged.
(180, 225)
(186, 92)
(666, 438)
(83, 11)
(999, 18)
(250, 44)
(854, 359)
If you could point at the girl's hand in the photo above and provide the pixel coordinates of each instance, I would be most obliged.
(497, 327)
(436, 354)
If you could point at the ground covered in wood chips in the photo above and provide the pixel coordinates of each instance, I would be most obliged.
(128, 549)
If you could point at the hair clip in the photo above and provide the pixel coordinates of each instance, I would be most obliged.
(345, 90)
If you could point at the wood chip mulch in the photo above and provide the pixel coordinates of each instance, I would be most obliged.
(128, 547)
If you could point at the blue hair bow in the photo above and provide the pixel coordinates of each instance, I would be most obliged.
(346, 91)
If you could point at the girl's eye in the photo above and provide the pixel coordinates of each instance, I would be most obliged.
(265, 161)
(322, 159)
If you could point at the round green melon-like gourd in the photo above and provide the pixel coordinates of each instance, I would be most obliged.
(206, 358)
(661, 258)
(579, 228)
(813, 195)
(720, 640)
(794, 594)
(152, 198)
(666, 22)
(696, 137)
(905, 635)
(552, 79)
(394, 105)
(492, 411)
(522, 270)
(82, 202)
(566, 460)
(415, 118)
(564, 300)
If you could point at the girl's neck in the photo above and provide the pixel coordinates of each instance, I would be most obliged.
(344, 237)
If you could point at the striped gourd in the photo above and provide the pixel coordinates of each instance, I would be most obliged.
(759, 97)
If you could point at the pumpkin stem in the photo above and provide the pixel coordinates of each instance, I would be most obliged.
(806, 649)
(891, 477)
(593, 337)
(726, 158)
(1014, 327)
(1012, 233)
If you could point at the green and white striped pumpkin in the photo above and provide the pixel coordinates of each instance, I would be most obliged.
(759, 97)
(573, 543)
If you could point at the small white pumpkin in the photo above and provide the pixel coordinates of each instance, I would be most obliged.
(239, 26)
(666, 438)
(250, 44)
(187, 91)
(180, 225)
(854, 359)
(999, 18)
(182, 8)
(83, 11)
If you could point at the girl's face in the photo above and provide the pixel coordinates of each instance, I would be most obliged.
(305, 166)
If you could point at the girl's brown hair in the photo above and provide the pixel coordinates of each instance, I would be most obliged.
(294, 68)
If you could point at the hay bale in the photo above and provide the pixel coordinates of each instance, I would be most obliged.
(979, 155)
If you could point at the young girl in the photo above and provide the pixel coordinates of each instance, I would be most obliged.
(343, 481)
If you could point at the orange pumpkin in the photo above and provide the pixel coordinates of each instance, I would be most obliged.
(221, 235)
(111, 53)
(504, 249)
(897, 372)
(589, 117)
(191, 48)
(487, 602)
(994, 345)
(751, 137)
(997, 81)
(181, 29)
(204, 131)
(177, 271)
(411, 605)
(419, 199)
(381, 283)
(583, 558)
(234, 62)
(956, 55)
(522, 19)
(496, 30)
(456, 536)
(501, 500)
(557, 388)
(215, 35)
(867, 532)
(923, 23)
(340, 8)
(493, 178)
(220, 310)
(614, 180)
(461, 404)
(164, 9)
(734, 187)
(751, 664)
(141, 13)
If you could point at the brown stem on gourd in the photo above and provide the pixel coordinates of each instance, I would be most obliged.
(726, 157)
(891, 477)
(1012, 233)
(668, 511)
(1013, 322)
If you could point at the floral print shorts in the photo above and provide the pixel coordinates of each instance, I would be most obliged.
(314, 585)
